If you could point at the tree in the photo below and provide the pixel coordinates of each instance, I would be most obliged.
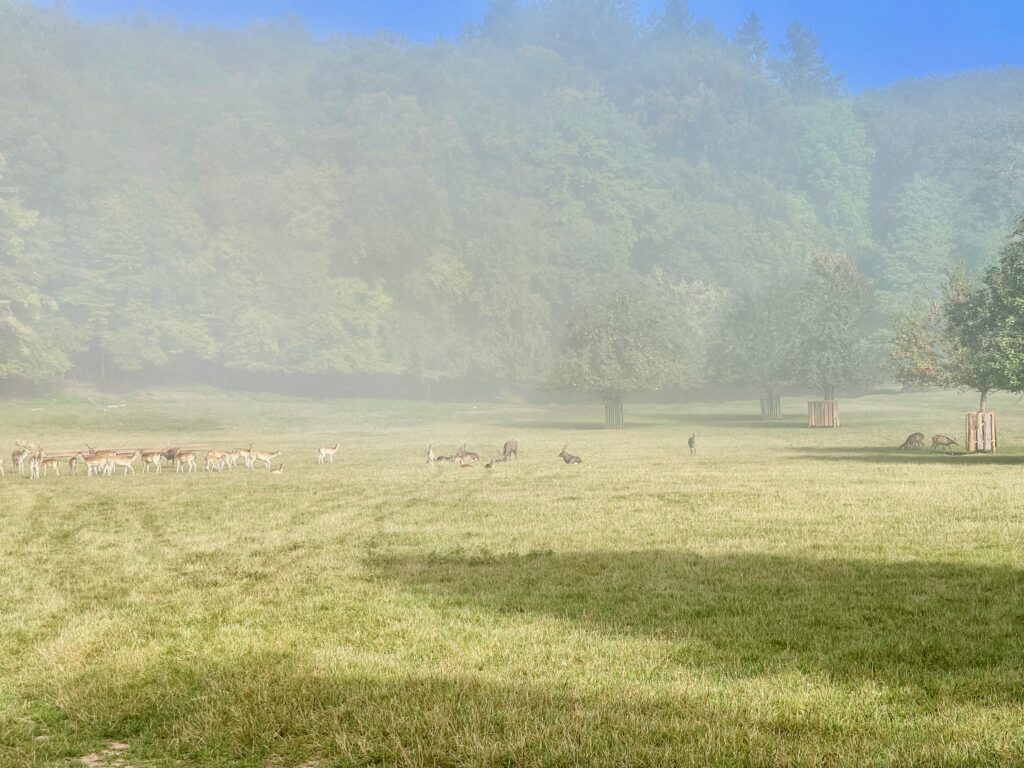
(757, 337)
(832, 305)
(804, 71)
(751, 40)
(640, 334)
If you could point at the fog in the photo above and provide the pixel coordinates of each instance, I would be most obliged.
(564, 199)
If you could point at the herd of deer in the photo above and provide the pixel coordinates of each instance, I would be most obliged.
(510, 450)
(106, 462)
(916, 440)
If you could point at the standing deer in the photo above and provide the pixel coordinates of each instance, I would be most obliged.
(265, 456)
(123, 461)
(431, 456)
(184, 461)
(942, 441)
(326, 453)
(568, 458)
(50, 462)
(915, 440)
(151, 459)
(510, 450)
(20, 456)
(692, 442)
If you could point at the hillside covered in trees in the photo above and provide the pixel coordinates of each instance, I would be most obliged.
(267, 203)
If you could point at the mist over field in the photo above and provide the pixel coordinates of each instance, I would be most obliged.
(269, 208)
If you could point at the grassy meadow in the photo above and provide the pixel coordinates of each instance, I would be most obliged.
(785, 597)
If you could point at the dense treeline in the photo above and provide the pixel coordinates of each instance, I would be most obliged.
(266, 202)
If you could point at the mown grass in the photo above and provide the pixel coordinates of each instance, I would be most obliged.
(786, 597)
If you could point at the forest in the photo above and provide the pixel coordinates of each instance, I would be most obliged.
(564, 195)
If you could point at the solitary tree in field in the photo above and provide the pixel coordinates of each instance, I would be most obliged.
(638, 335)
(974, 338)
(830, 349)
(757, 338)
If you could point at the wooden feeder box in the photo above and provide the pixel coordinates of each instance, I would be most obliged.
(823, 413)
(771, 408)
(981, 432)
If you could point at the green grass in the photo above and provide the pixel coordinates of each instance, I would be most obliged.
(786, 597)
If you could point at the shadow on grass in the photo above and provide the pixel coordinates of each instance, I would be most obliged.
(887, 455)
(951, 631)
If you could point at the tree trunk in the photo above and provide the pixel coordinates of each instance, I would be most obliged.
(613, 418)
(830, 392)
(984, 400)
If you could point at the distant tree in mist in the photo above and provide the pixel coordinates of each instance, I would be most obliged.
(637, 334)
(803, 70)
(833, 303)
(751, 40)
(757, 338)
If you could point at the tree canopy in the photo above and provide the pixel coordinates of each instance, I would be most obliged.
(265, 202)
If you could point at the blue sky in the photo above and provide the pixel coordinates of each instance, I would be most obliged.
(871, 42)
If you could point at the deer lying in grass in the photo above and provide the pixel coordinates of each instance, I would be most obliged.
(326, 453)
(942, 441)
(568, 458)
(914, 440)
(279, 469)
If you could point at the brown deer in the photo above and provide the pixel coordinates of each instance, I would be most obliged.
(279, 469)
(510, 450)
(265, 456)
(463, 456)
(942, 441)
(326, 453)
(152, 459)
(184, 461)
(915, 440)
(568, 458)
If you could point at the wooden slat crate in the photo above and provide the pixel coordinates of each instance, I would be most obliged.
(771, 408)
(981, 432)
(823, 413)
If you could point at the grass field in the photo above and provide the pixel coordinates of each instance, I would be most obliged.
(786, 597)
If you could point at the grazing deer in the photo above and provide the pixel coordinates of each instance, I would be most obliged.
(326, 453)
(123, 461)
(568, 458)
(278, 470)
(184, 461)
(510, 450)
(915, 440)
(692, 442)
(265, 456)
(152, 459)
(169, 454)
(942, 441)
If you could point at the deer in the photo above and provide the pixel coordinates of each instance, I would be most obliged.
(568, 458)
(915, 440)
(462, 455)
(691, 441)
(431, 456)
(326, 453)
(124, 461)
(35, 463)
(2, 466)
(184, 461)
(510, 450)
(94, 465)
(265, 456)
(152, 459)
(215, 460)
(50, 462)
(231, 458)
(20, 455)
(942, 441)
(278, 470)
(246, 454)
